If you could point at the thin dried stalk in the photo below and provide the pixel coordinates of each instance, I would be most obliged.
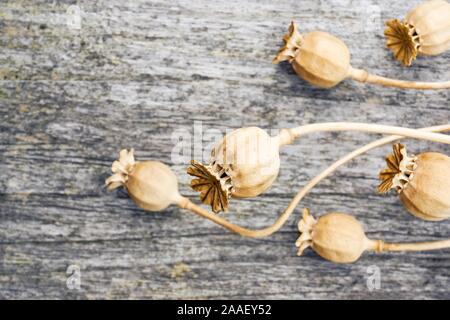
(373, 128)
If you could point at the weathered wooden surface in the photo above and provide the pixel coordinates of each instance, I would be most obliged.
(136, 72)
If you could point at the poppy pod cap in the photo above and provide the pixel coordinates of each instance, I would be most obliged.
(340, 238)
(422, 182)
(151, 184)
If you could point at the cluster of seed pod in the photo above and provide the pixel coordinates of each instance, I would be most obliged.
(246, 162)
(154, 187)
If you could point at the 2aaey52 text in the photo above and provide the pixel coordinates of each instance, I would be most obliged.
(232, 309)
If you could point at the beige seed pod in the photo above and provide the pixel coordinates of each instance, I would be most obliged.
(340, 238)
(425, 31)
(337, 237)
(324, 61)
(151, 184)
(244, 164)
(422, 182)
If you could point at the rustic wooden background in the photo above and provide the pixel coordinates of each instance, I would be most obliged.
(135, 73)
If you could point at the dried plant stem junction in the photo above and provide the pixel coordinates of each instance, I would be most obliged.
(289, 136)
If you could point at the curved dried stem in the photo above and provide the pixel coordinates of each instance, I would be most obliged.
(187, 204)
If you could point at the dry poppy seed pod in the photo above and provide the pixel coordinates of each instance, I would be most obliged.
(340, 238)
(425, 31)
(244, 164)
(151, 184)
(324, 61)
(337, 237)
(422, 182)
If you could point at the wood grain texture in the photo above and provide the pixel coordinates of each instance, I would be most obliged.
(138, 71)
